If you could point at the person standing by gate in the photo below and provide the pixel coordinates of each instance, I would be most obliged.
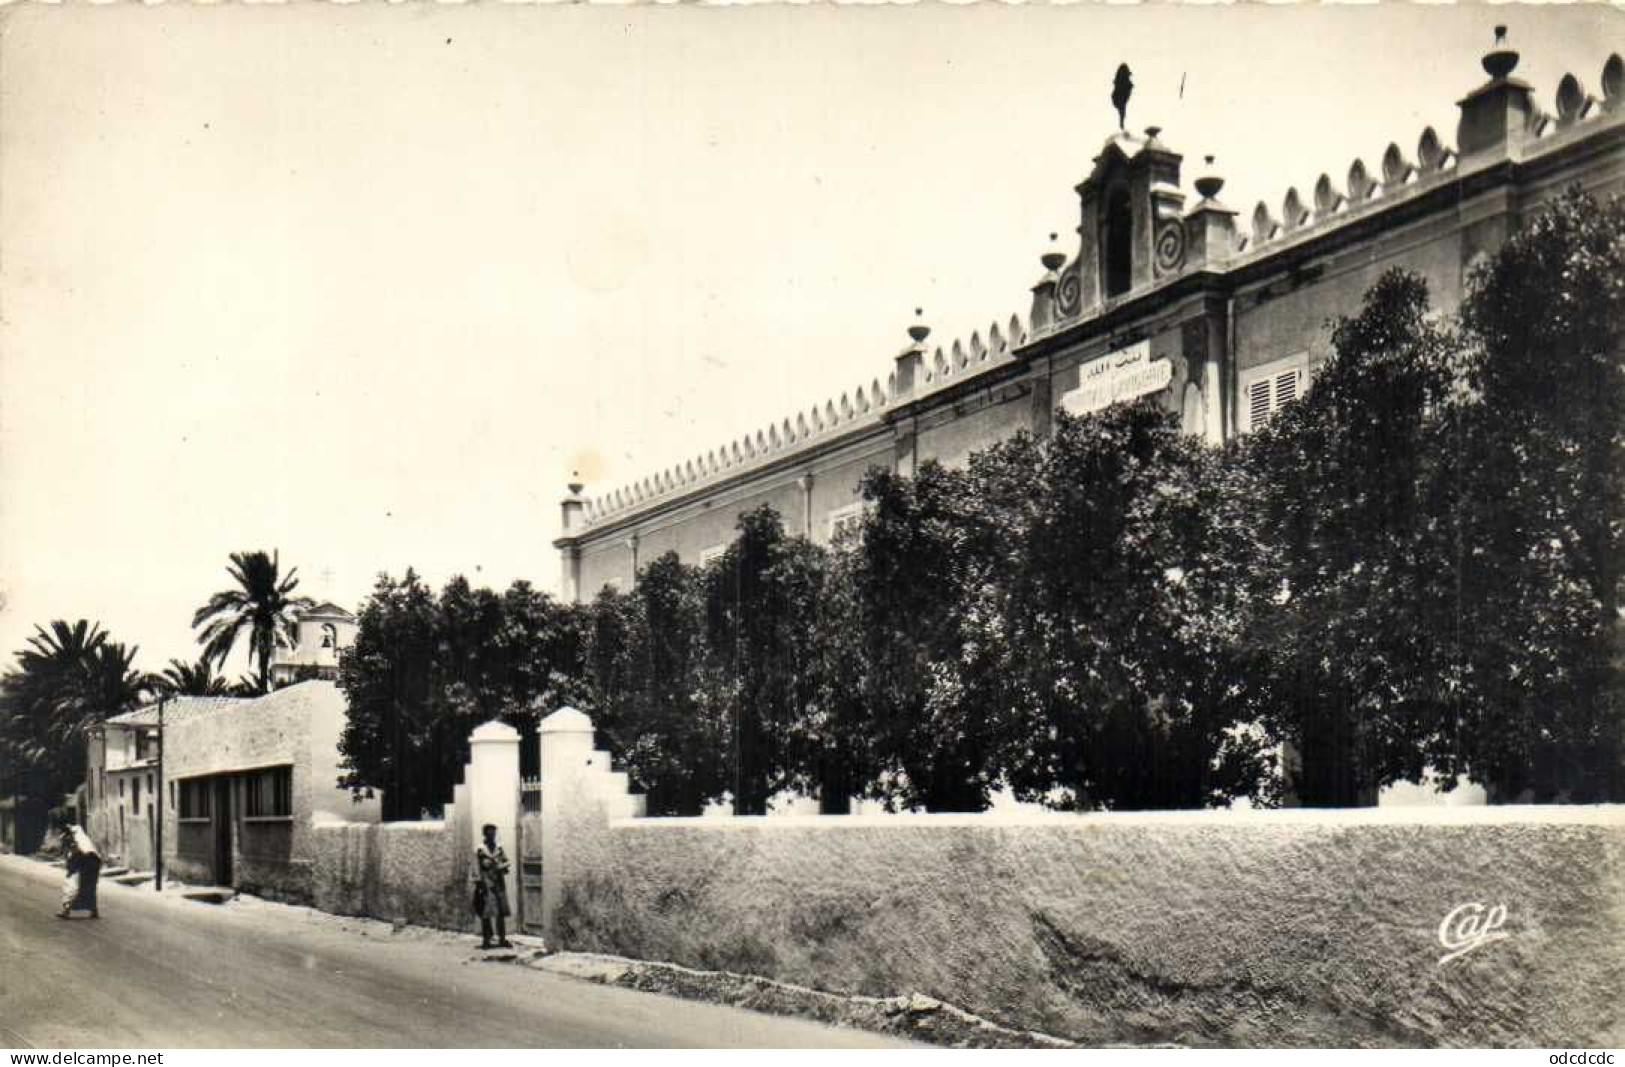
(491, 889)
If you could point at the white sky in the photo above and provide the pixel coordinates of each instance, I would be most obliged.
(365, 283)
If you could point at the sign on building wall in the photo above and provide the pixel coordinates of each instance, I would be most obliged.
(1117, 376)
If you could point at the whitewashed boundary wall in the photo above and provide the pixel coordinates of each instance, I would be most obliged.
(1298, 927)
(424, 872)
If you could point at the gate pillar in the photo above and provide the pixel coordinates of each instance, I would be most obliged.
(566, 760)
(493, 791)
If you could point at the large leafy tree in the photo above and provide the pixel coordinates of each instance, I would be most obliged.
(831, 740)
(1354, 592)
(1122, 595)
(1538, 476)
(760, 597)
(425, 671)
(659, 700)
(930, 644)
(514, 656)
(389, 680)
(261, 606)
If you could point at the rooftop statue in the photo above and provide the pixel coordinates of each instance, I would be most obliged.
(1122, 88)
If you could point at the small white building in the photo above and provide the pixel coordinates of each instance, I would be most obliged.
(243, 782)
(121, 777)
(324, 631)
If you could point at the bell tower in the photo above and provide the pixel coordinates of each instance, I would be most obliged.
(1130, 230)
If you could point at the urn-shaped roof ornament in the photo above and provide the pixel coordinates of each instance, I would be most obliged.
(1209, 183)
(918, 330)
(1053, 258)
(1501, 60)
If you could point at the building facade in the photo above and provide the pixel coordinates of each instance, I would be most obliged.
(244, 782)
(120, 793)
(1169, 292)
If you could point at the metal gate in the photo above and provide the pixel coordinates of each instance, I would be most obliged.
(530, 855)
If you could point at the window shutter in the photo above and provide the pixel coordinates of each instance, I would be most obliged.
(1258, 403)
(1286, 388)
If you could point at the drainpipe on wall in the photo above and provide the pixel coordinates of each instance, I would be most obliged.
(805, 483)
(1227, 398)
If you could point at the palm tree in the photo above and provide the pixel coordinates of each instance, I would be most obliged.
(51, 686)
(182, 679)
(69, 678)
(107, 684)
(262, 605)
(54, 653)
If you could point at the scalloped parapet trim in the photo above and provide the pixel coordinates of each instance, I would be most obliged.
(963, 359)
(1434, 161)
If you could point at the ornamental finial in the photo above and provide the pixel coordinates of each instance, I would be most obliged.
(919, 331)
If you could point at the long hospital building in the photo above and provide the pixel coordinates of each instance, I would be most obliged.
(1170, 292)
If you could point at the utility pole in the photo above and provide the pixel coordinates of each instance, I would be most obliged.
(158, 852)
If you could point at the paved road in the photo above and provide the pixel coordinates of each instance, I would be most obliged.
(166, 973)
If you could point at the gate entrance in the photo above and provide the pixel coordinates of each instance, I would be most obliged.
(530, 855)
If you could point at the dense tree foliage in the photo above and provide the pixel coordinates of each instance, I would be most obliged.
(831, 743)
(760, 599)
(425, 671)
(658, 694)
(1446, 520)
(929, 651)
(1125, 596)
(1539, 436)
(1414, 569)
(1354, 580)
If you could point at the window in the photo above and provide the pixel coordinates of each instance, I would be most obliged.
(135, 796)
(268, 794)
(195, 799)
(845, 519)
(330, 635)
(1118, 246)
(715, 552)
(1271, 387)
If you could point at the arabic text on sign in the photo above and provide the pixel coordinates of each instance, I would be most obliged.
(1117, 376)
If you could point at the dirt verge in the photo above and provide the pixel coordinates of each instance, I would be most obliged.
(915, 1017)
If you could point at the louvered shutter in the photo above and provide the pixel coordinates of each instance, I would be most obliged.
(1258, 404)
(1286, 389)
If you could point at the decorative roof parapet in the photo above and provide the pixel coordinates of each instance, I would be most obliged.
(1495, 117)
(1434, 161)
(971, 357)
(862, 406)
(859, 406)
